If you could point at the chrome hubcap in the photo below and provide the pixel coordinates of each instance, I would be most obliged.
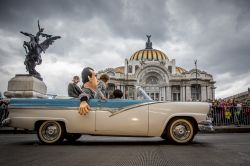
(181, 131)
(50, 131)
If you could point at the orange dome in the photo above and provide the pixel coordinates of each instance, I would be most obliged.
(180, 70)
(149, 55)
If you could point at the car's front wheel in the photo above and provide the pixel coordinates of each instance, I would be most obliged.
(180, 131)
(51, 132)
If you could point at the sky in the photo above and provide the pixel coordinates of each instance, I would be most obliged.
(102, 33)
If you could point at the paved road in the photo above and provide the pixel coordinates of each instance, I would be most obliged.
(207, 149)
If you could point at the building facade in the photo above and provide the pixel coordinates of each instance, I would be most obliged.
(160, 78)
(241, 97)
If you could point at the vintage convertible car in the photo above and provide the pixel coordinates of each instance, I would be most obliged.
(57, 119)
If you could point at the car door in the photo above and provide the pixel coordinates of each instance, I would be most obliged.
(122, 117)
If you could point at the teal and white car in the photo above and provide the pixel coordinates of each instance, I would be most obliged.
(58, 119)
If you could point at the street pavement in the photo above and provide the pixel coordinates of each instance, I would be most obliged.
(220, 149)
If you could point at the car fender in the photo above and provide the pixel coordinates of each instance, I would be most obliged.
(198, 117)
(30, 122)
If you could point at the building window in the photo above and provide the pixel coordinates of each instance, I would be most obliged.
(196, 92)
(110, 73)
(157, 96)
(152, 80)
(152, 95)
(170, 69)
(176, 93)
(136, 68)
(131, 91)
(129, 69)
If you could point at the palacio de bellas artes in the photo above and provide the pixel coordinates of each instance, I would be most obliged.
(160, 77)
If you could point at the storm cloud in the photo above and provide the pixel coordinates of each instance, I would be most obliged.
(102, 34)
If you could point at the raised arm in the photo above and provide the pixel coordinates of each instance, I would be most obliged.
(26, 34)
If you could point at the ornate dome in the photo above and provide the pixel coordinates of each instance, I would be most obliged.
(180, 70)
(149, 54)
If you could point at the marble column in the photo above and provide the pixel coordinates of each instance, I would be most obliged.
(213, 93)
(203, 93)
(188, 93)
(209, 91)
(169, 93)
(182, 93)
(162, 94)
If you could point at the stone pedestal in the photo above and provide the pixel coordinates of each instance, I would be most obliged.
(26, 86)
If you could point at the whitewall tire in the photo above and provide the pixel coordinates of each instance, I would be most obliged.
(180, 131)
(51, 132)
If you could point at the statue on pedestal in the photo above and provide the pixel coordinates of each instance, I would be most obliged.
(34, 49)
(149, 43)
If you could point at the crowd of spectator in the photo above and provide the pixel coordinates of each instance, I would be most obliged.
(230, 112)
(230, 103)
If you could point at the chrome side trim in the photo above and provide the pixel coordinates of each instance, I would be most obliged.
(131, 107)
(45, 108)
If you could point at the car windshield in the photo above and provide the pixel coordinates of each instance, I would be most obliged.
(142, 95)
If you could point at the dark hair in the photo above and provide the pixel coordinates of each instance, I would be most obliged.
(104, 77)
(117, 93)
(76, 78)
(85, 73)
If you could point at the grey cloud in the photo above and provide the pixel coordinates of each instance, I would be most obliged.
(125, 18)
(217, 31)
(4, 71)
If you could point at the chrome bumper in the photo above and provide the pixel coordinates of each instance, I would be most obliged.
(6, 122)
(206, 126)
